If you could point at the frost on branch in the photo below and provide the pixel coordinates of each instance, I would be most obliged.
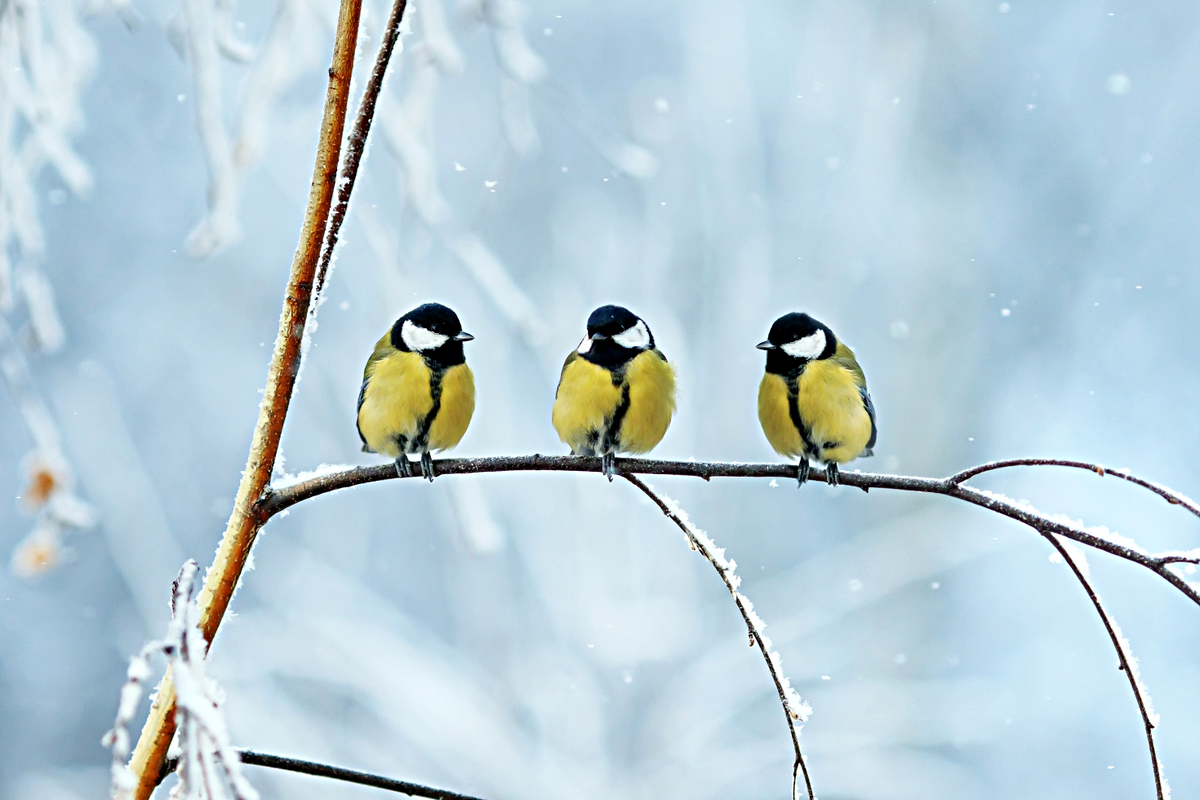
(208, 766)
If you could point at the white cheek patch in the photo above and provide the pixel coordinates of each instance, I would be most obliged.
(584, 346)
(418, 338)
(636, 338)
(809, 347)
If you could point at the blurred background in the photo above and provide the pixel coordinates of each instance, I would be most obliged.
(989, 201)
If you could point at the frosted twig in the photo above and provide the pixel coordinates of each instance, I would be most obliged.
(203, 738)
(1128, 664)
(357, 143)
(795, 710)
(245, 521)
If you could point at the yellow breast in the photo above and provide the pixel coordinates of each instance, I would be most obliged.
(588, 401)
(775, 417)
(398, 399)
(458, 404)
(585, 400)
(831, 405)
(651, 382)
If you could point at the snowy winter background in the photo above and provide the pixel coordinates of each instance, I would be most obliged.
(995, 204)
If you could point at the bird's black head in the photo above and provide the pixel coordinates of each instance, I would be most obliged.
(614, 336)
(433, 331)
(794, 340)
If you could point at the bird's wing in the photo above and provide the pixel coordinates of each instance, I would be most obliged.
(574, 355)
(844, 356)
(659, 353)
(382, 348)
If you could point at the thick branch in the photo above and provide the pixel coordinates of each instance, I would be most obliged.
(725, 570)
(1124, 658)
(276, 500)
(245, 521)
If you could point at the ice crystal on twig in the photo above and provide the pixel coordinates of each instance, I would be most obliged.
(208, 766)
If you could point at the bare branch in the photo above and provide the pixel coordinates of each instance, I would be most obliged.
(245, 522)
(1127, 664)
(357, 143)
(275, 500)
(350, 776)
(1171, 496)
(795, 710)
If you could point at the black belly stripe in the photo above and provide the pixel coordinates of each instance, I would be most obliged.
(612, 431)
(793, 387)
(420, 442)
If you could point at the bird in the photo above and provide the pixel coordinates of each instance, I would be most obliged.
(616, 393)
(813, 400)
(418, 394)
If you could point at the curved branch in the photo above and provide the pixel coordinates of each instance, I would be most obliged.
(275, 500)
(793, 708)
(1171, 496)
(1125, 659)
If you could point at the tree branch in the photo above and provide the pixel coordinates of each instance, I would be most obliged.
(1125, 659)
(349, 775)
(275, 500)
(356, 145)
(1171, 496)
(794, 709)
(245, 522)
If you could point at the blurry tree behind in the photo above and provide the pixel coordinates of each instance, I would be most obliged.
(993, 203)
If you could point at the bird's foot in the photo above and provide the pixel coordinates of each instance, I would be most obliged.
(403, 466)
(802, 473)
(608, 465)
(427, 466)
(831, 474)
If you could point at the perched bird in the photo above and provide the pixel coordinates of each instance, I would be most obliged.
(813, 400)
(616, 393)
(418, 394)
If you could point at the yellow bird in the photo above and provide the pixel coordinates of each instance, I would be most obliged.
(616, 393)
(418, 394)
(813, 400)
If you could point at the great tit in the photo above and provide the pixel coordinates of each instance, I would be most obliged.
(813, 400)
(616, 393)
(418, 394)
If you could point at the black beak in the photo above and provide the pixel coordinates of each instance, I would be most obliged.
(463, 336)
(767, 345)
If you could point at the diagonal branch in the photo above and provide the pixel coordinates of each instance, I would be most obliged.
(277, 499)
(349, 776)
(795, 710)
(245, 522)
(1127, 662)
(356, 144)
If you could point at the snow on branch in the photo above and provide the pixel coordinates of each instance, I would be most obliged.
(208, 766)
(795, 709)
(1077, 561)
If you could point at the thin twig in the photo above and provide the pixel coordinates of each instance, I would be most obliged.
(1124, 658)
(245, 522)
(793, 708)
(350, 776)
(356, 144)
(1172, 497)
(275, 500)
